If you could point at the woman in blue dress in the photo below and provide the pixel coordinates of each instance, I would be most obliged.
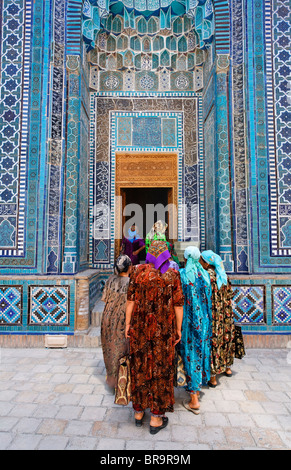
(195, 346)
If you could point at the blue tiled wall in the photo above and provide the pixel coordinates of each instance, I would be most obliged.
(54, 165)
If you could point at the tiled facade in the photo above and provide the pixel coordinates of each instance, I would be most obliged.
(217, 94)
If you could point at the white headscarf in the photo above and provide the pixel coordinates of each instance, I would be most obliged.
(193, 267)
(159, 227)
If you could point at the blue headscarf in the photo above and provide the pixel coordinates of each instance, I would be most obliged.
(193, 267)
(212, 258)
(132, 235)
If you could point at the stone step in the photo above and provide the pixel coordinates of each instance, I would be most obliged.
(90, 338)
(96, 313)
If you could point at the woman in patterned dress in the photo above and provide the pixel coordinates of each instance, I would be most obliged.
(153, 324)
(195, 346)
(223, 327)
(113, 341)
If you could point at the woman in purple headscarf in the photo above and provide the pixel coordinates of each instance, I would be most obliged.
(133, 245)
(153, 324)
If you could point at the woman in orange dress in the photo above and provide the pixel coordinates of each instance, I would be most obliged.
(153, 324)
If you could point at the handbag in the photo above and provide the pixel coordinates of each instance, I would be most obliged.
(123, 387)
(239, 343)
(180, 375)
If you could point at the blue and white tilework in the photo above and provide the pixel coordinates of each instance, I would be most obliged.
(281, 305)
(281, 158)
(249, 304)
(15, 85)
(49, 305)
(10, 305)
(222, 106)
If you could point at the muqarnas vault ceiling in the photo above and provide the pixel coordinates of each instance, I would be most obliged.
(144, 46)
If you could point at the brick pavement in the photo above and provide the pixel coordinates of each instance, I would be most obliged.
(57, 399)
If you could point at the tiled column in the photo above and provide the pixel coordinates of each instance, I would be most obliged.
(223, 159)
(57, 117)
(70, 256)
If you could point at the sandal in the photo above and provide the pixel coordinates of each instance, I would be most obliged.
(210, 384)
(138, 422)
(186, 405)
(156, 429)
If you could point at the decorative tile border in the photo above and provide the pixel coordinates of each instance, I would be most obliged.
(281, 303)
(15, 91)
(28, 258)
(148, 119)
(278, 60)
(238, 140)
(270, 217)
(249, 304)
(191, 150)
(37, 306)
(57, 131)
(49, 305)
(10, 305)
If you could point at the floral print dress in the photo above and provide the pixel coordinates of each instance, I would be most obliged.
(223, 327)
(152, 337)
(195, 346)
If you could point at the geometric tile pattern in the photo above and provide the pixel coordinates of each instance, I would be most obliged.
(266, 119)
(175, 115)
(249, 304)
(223, 172)
(238, 140)
(147, 132)
(281, 35)
(209, 170)
(10, 305)
(15, 76)
(55, 153)
(281, 297)
(49, 305)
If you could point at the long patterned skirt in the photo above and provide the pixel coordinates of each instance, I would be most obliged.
(223, 328)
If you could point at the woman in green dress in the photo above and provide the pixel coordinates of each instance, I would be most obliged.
(223, 327)
(157, 232)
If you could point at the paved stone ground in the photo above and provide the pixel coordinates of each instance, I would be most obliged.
(57, 399)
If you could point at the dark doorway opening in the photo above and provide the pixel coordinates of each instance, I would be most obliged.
(146, 198)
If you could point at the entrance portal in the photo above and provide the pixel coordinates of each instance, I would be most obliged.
(151, 204)
(150, 201)
(151, 181)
